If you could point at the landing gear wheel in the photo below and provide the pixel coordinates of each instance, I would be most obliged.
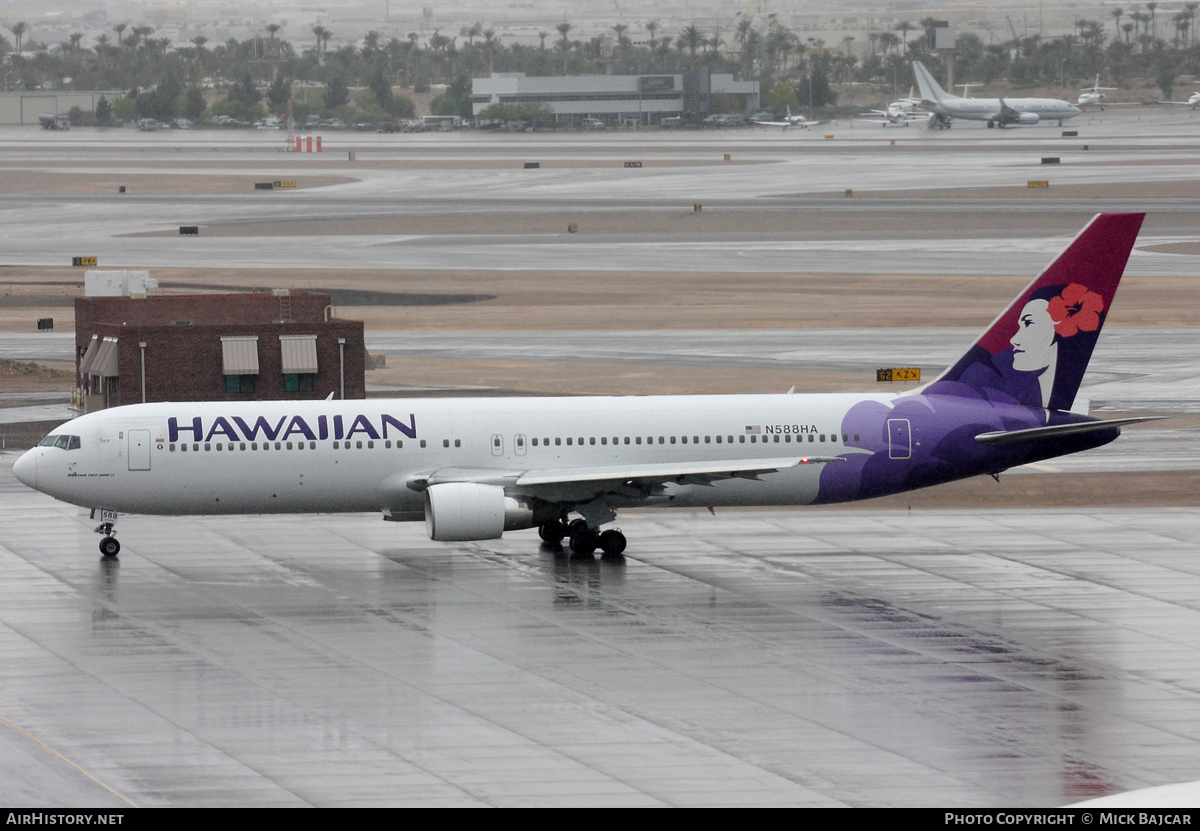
(584, 543)
(109, 547)
(991, 124)
(612, 543)
(552, 532)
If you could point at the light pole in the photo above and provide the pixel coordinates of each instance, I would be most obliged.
(1062, 74)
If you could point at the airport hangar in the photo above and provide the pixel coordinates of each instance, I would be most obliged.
(638, 98)
(861, 657)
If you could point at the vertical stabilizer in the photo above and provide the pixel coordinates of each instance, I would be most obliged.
(930, 89)
(1036, 351)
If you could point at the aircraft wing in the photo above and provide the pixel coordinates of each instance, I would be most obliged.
(773, 124)
(586, 483)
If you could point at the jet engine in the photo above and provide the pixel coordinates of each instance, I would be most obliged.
(461, 511)
(1028, 118)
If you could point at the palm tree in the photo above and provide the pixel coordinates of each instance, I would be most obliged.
(19, 29)
(119, 29)
(1117, 14)
(692, 40)
(489, 43)
(1150, 7)
(564, 43)
(652, 27)
(903, 27)
(1191, 13)
(542, 37)
(1127, 28)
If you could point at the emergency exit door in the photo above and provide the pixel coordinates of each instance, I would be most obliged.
(139, 450)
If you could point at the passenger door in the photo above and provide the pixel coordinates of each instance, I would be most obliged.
(139, 449)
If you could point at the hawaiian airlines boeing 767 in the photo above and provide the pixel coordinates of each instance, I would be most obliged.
(472, 468)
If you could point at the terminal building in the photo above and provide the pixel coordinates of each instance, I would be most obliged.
(132, 348)
(644, 98)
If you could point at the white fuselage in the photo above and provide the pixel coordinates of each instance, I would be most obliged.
(989, 109)
(360, 455)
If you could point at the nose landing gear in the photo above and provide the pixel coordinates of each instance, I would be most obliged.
(109, 547)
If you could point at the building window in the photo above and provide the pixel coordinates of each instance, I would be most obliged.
(298, 382)
(239, 383)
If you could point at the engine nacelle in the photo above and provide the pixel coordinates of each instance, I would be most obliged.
(463, 511)
(1028, 118)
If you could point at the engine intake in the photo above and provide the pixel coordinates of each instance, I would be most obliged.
(464, 511)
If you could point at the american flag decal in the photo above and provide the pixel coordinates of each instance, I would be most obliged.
(753, 429)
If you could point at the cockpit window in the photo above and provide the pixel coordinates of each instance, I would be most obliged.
(65, 442)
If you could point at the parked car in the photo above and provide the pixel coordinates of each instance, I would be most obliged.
(592, 124)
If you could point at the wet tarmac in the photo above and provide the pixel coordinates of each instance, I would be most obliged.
(749, 658)
(793, 657)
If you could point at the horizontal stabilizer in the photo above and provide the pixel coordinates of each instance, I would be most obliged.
(1003, 437)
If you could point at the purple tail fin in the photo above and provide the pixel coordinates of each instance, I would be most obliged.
(1036, 352)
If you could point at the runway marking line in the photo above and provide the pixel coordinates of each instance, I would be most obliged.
(77, 767)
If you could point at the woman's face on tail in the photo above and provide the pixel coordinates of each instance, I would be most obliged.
(1034, 338)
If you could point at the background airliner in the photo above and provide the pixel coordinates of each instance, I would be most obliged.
(472, 468)
(995, 111)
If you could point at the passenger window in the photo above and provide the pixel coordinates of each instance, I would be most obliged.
(856, 438)
(182, 448)
(684, 440)
(445, 442)
(787, 438)
(741, 439)
(196, 447)
(371, 445)
(568, 440)
(422, 442)
(387, 444)
(753, 439)
(822, 437)
(695, 439)
(535, 444)
(604, 439)
(708, 439)
(289, 446)
(662, 440)
(557, 442)
(811, 437)
(277, 445)
(590, 441)
(218, 445)
(718, 439)
(637, 440)
(207, 447)
(627, 439)
(845, 438)
(336, 445)
(458, 442)
(312, 445)
(581, 440)
(358, 445)
(672, 439)
(172, 447)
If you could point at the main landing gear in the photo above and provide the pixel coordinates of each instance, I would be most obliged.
(583, 540)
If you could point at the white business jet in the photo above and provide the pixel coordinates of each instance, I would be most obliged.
(797, 121)
(1093, 96)
(997, 112)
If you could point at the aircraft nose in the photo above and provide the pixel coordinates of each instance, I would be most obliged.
(25, 468)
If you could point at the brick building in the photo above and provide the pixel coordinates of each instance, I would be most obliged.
(215, 347)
